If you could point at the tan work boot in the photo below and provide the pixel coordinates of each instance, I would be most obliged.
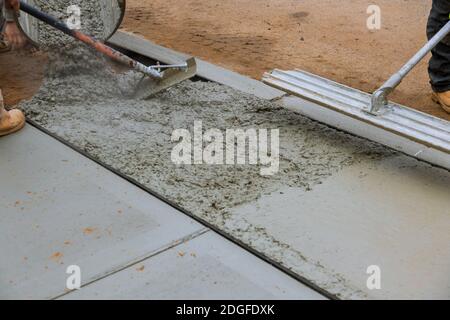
(10, 121)
(443, 98)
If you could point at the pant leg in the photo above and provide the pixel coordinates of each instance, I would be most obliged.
(439, 67)
(2, 18)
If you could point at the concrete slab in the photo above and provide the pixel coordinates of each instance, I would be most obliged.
(59, 208)
(205, 69)
(207, 267)
(394, 214)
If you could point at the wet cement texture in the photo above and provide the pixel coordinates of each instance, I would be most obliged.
(90, 106)
(85, 102)
(97, 18)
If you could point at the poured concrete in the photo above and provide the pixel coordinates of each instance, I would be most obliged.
(58, 208)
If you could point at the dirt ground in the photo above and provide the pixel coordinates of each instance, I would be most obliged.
(326, 37)
(21, 75)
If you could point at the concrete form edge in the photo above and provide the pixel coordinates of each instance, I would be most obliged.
(365, 130)
(205, 69)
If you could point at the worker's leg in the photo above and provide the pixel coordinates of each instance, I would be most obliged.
(2, 18)
(3, 45)
(10, 121)
(439, 67)
(1, 10)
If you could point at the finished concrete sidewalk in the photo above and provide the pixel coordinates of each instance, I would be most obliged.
(58, 208)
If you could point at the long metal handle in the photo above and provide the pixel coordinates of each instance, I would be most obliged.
(90, 41)
(380, 97)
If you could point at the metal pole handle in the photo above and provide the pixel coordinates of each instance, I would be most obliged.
(380, 96)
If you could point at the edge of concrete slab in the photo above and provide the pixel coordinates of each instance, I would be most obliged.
(371, 132)
(205, 69)
(130, 264)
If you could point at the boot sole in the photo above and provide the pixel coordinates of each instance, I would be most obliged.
(4, 47)
(436, 99)
(12, 130)
(3, 50)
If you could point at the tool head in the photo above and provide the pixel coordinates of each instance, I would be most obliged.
(148, 87)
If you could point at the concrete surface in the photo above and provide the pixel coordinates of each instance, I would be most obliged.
(393, 213)
(59, 208)
(206, 267)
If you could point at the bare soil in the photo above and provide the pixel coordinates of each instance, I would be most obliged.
(327, 37)
(21, 75)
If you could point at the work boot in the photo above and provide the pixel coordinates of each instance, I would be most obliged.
(10, 121)
(443, 98)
